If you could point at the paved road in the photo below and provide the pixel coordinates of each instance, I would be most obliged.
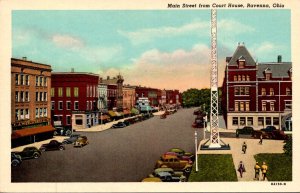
(114, 155)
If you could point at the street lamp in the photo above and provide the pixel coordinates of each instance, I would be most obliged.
(101, 119)
(196, 148)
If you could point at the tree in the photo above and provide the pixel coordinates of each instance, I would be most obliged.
(288, 146)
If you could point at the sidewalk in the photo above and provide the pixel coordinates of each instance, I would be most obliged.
(253, 148)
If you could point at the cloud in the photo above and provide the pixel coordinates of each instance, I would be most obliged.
(233, 27)
(146, 35)
(67, 41)
(264, 49)
(180, 69)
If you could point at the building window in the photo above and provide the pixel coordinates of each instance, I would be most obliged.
(41, 81)
(26, 113)
(288, 105)
(52, 92)
(248, 78)
(45, 112)
(17, 114)
(247, 105)
(242, 90)
(288, 91)
(236, 90)
(263, 91)
(27, 80)
(87, 91)
(36, 96)
(275, 120)
(17, 96)
(21, 114)
(261, 121)
(60, 92)
(68, 92)
(239, 77)
(76, 91)
(241, 64)
(52, 105)
(249, 121)
(26, 96)
(246, 90)
(91, 91)
(68, 105)
(36, 112)
(268, 76)
(41, 96)
(272, 91)
(242, 106)
(78, 121)
(272, 108)
(22, 79)
(243, 78)
(36, 81)
(45, 96)
(17, 79)
(60, 105)
(263, 106)
(268, 121)
(76, 105)
(41, 112)
(242, 120)
(87, 105)
(45, 81)
(68, 120)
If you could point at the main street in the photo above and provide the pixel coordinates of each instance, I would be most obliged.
(115, 155)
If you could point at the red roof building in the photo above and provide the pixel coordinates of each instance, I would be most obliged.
(74, 97)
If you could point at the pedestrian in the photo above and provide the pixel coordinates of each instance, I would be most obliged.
(244, 147)
(241, 168)
(256, 170)
(264, 169)
(260, 139)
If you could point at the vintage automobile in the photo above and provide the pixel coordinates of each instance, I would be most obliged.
(120, 124)
(181, 152)
(174, 162)
(81, 141)
(64, 131)
(245, 130)
(151, 179)
(29, 153)
(71, 139)
(269, 128)
(171, 176)
(15, 159)
(52, 145)
(126, 122)
(275, 134)
(182, 157)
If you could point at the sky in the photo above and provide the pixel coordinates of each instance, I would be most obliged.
(165, 49)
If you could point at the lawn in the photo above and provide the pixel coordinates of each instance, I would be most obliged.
(214, 167)
(279, 166)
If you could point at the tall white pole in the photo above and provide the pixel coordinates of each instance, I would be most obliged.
(196, 151)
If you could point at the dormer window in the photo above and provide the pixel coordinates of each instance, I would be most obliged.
(268, 73)
(241, 62)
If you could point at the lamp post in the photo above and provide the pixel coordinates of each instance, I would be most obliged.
(101, 119)
(196, 148)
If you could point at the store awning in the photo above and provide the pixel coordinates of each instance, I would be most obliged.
(126, 112)
(119, 114)
(134, 111)
(31, 131)
(112, 113)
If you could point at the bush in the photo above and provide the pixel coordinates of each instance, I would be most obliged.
(288, 146)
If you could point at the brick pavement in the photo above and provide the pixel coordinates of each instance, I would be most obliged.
(253, 148)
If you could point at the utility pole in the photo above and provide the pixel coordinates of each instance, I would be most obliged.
(214, 119)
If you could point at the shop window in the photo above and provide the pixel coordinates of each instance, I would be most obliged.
(78, 121)
(275, 120)
(235, 120)
(242, 120)
(261, 121)
(268, 121)
(249, 121)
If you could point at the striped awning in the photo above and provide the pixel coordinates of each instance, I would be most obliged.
(31, 131)
(112, 113)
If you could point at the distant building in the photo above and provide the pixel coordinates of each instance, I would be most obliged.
(102, 96)
(152, 94)
(30, 101)
(171, 97)
(128, 97)
(143, 105)
(74, 97)
(256, 94)
(114, 92)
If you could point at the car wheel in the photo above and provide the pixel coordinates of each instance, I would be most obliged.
(61, 148)
(36, 155)
(14, 163)
(68, 133)
(187, 170)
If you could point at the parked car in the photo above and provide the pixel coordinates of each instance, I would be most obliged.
(29, 153)
(126, 122)
(64, 131)
(245, 130)
(181, 152)
(71, 139)
(276, 134)
(81, 141)
(118, 125)
(269, 128)
(167, 177)
(52, 145)
(151, 179)
(15, 159)
(163, 116)
(182, 157)
(175, 175)
(174, 162)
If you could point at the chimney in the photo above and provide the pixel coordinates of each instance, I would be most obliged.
(24, 58)
(279, 58)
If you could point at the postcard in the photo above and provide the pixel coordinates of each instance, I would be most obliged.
(143, 96)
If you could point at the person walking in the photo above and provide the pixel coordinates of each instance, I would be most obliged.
(260, 139)
(241, 169)
(244, 147)
(264, 169)
(256, 170)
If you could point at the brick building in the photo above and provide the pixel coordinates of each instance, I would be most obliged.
(128, 97)
(74, 97)
(30, 101)
(114, 92)
(171, 97)
(152, 94)
(256, 94)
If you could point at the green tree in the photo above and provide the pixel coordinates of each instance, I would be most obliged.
(288, 146)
